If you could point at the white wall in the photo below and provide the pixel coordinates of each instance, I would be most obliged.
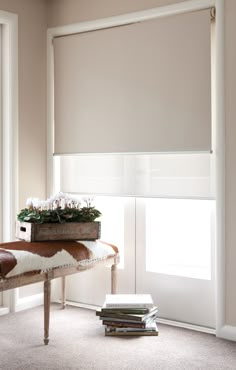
(230, 92)
(32, 95)
(32, 102)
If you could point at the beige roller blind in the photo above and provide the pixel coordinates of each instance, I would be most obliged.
(144, 87)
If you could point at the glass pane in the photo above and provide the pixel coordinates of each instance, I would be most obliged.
(179, 236)
(112, 222)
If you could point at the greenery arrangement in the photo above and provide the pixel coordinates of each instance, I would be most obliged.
(59, 209)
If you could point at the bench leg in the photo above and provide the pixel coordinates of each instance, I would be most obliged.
(47, 295)
(114, 276)
(63, 292)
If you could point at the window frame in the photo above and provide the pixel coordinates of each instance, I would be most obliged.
(9, 135)
(218, 121)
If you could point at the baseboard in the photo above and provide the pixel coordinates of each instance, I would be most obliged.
(161, 321)
(227, 332)
(29, 302)
(78, 304)
(4, 310)
(184, 325)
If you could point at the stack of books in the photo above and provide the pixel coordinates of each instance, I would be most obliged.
(128, 314)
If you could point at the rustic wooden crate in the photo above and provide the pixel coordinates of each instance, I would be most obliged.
(32, 232)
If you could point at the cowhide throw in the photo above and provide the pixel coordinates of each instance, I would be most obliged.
(19, 257)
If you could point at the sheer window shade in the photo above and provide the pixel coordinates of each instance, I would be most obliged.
(144, 87)
(161, 175)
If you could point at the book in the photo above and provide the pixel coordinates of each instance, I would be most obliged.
(123, 324)
(150, 327)
(128, 301)
(135, 311)
(127, 316)
(130, 324)
(152, 330)
(130, 333)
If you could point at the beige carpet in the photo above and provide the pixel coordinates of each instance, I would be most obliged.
(77, 341)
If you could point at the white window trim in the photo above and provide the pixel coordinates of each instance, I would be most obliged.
(9, 132)
(222, 330)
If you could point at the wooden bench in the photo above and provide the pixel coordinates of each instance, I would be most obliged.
(23, 263)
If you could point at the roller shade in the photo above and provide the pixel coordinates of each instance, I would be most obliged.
(144, 87)
(150, 175)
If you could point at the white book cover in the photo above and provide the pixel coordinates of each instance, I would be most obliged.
(128, 300)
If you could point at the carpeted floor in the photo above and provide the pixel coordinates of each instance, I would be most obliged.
(77, 341)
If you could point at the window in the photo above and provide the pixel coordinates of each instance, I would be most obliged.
(179, 236)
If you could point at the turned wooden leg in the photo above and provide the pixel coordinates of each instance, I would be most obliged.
(113, 279)
(114, 275)
(47, 295)
(63, 292)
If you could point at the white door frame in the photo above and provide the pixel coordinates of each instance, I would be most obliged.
(9, 133)
(219, 130)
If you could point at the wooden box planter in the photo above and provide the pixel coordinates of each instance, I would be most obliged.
(32, 232)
